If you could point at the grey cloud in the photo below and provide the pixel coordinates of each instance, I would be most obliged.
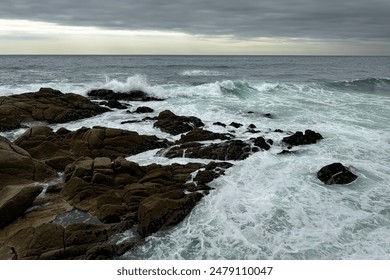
(318, 19)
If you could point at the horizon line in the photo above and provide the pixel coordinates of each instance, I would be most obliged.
(291, 55)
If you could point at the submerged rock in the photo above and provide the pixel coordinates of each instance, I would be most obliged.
(336, 173)
(45, 105)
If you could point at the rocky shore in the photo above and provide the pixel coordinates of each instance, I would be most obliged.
(49, 179)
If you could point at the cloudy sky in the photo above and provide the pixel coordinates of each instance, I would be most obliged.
(322, 27)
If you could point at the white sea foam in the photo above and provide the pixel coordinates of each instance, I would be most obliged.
(197, 72)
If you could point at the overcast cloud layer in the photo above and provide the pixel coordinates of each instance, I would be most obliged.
(316, 19)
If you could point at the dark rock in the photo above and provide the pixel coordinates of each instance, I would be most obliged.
(228, 150)
(150, 119)
(44, 144)
(173, 124)
(251, 126)
(235, 125)
(336, 173)
(268, 115)
(131, 121)
(54, 188)
(18, 167)
(113, 103)
(133, 95)
(109, 251)
(45, 105)
(286, 152)
(161, 211)
(310, 137)
(250, 112)
(152, 198)
(212, 171)
(59, 163)
(219, 124)
(261, 143)
(33, 242)
(278, 130)
(143, 109)
(14, 200)
(200, 134)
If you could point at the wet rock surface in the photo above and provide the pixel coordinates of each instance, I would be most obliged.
(299, 138)
(122, 195)
(173, 124)
(63, 147)
(133, 95)
(47, 105)
(336, 173)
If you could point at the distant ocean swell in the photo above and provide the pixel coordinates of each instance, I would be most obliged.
(240, 88)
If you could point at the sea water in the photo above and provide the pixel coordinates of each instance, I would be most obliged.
(268, 206)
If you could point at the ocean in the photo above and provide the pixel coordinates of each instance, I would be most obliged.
(268, 206)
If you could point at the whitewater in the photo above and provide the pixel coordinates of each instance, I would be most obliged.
(268, 206)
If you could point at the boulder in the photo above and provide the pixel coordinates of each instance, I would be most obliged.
(235, 124)
(14, 201)
(143, 109)
(173, 124)
(47, 105)
(18, 167)
(261, 143)
(298, 138)
(336, 173)
(212, 171)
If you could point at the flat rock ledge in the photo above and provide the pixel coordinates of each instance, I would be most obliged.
(62, 147)
(132, 95)
(47, 105)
